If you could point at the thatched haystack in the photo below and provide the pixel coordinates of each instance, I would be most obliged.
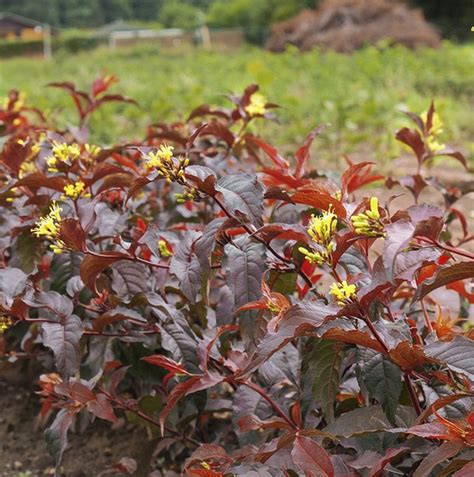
(346, 25)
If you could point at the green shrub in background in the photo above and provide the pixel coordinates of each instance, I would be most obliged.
(15, 48)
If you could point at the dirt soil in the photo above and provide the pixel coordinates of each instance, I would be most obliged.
(23, 450)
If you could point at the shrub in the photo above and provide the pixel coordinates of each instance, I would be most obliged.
(261, 316)
(14, 48)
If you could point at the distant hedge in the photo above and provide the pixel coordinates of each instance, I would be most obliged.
(70, 44)
(14, 48)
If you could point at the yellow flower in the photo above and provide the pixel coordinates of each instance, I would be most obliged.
(49, 227)
(257, 105)
(368, 223)
(163, 248)
(343, 292)
(75, 190)
(5, 323)
(161, 157)
(434, 131)
(64, 153)
(321, 230)
(27, 167)
(92, 150)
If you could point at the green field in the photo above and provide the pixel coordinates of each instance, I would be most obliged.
(361, 96)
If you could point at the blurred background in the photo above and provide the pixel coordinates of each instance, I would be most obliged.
(354, 64)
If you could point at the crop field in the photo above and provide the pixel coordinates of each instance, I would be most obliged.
(360, 96)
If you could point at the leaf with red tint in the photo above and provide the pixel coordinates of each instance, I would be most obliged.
(318, 198)
(399, 235)
(409, 356)
(460, 288)
(208, 460)
(311, 458)
(56, 434)
(459, 156)
(93, 265)
(466, 471)
(37, 180)
(412, 139)
(440, 403)
(445, 276)
(431, 430)
(204, 178)
(14, 154)
(100, 406)
(102, 83)
(437, 456)
(352, 336)
(204, 352)
(294, 322)
(119, 180)
(219, 131)
(278, 231)
(391, 454)
(63, 339)
(356, 176)
(206, 110)
(415, 184)
(276, 193)
(72, 234)
(191, 385)
(279, 177)
(254, 423)
(270, 151)
(167, 363)
(302, 155)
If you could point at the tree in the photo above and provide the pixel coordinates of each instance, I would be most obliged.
(116, 9)
(81, 13)
(180, 14)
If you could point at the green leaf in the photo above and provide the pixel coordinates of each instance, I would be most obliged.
(324, 369)
(383, 380)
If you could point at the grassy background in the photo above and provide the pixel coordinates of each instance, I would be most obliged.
(360, 95)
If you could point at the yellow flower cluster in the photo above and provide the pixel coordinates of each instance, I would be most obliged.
(256, 107)
(163, 248)
(162, 160)
(49, 227)
(62, 152)
(368, 223)
(321, 230)
(190, 194)
(92, 150)
(433, 133)
(343, 292)
(5, 323)
(75, 190)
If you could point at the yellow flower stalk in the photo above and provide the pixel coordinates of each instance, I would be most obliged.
(62, 152)
(343, 292)
(5, 323)
(92, 150)
(75, 190)
(163, 248)
(368, 223)
(435, 130)
(321, 230)
(256, 107)
(49, 227)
